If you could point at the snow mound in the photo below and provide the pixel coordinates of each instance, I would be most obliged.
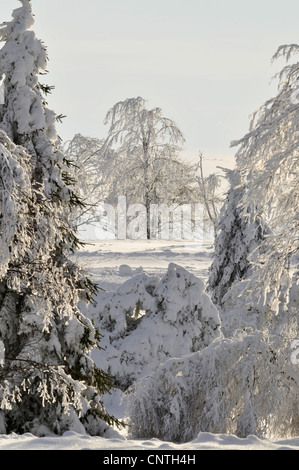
(148, 320)
(126, 271)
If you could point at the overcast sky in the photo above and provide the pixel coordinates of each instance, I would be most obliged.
(206, 63)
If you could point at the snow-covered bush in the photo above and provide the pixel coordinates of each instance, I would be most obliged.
(239, 385)
(148, 320)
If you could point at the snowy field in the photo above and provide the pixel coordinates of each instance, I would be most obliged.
(110, 263)
(205, 441)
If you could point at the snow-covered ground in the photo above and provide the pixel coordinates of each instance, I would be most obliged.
(110, 263)
(204, 441)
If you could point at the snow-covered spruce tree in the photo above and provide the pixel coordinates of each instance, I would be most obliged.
(238, 237)
(48, 382)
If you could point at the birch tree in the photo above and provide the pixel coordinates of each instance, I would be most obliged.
(211, 200)
(267, 159)
(93, 173)
(148, 144)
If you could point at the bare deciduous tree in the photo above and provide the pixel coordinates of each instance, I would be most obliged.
(148, 144)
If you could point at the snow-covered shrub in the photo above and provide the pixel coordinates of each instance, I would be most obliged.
(239, 385)
(148, 320)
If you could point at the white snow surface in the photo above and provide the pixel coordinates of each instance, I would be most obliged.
(110, 263)
(205, 441)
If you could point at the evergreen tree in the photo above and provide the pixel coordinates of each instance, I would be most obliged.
(238, 236)
(48, 382)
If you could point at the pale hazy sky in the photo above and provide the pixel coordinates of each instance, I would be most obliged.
(206, 63)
